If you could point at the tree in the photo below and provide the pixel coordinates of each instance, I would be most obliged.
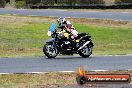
(2, 3)
(48, 2)
(56, 1)
(123, 1)
(20, 3)
(79, 2)
(32, 1)
(12, 1)
(86, 2)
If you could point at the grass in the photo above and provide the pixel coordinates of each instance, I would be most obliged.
(109, 40)
(46, 80)
(25, 35)
(36, 80)
(102, 10)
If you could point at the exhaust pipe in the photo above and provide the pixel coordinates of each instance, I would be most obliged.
(84, 45)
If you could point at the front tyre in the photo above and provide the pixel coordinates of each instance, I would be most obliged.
(49, 51)
(86, 51)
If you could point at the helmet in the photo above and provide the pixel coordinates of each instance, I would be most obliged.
(61, 20)
(68, 23)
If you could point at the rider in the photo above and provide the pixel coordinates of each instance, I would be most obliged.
(68, 27)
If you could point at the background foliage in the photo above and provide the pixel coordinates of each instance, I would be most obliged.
(23, 3)
(76, 2)
(123, 1)
(2, 3)
(20, 4)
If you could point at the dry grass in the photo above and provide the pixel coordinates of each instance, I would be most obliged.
(105, 23)
(21, 52)
(14, 21)
(103, 10)
(98, 22)
(37, 80)
(46, 80)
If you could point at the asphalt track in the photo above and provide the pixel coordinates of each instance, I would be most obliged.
(64, 63)
(124, 16)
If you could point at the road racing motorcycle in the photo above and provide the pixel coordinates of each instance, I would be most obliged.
(60, 43)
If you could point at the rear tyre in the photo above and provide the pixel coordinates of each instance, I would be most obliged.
(49, 51)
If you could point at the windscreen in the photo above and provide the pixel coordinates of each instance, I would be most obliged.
(52, 27)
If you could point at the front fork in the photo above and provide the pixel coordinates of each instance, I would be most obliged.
(54, 43)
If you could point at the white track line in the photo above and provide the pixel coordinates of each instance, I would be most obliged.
(4, 73)
(56, 72)
(112, 55)
(49, 72)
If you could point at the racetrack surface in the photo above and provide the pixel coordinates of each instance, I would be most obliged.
(75, 14)
(64, 63)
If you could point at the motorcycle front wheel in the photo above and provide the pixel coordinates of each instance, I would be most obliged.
(50, 51)
(86, 51)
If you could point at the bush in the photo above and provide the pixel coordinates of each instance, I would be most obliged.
(123, 1)
(20, 4)
(32, 1)
(2, 3)
(80, 2)
(92, 2)
(48, 2)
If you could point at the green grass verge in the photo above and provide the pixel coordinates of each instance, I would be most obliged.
(25, 35)
(108, 40)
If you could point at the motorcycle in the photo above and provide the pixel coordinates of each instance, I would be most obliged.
(60, 43)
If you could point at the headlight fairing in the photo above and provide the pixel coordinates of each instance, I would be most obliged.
(49, 33)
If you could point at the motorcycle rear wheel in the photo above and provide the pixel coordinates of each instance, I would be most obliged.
(49, 51)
